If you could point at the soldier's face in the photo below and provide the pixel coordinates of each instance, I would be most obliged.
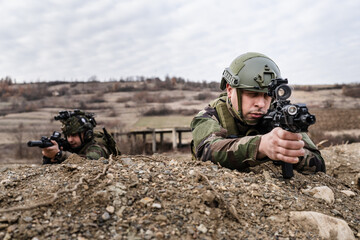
(74, 140)
(254, 104)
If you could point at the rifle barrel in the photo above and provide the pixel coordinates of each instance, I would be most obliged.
(40, 144)
(34, 143)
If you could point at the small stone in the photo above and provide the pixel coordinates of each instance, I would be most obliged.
(159, 235)
(322, 192)
(11, 228)
(7, 236)
(336, 212)
(148, 234)
(27, 219)
(120, 212)
(110, 209)
(348, 193)
(18, 199)
(201, 228)
(105, 216)
(127, 161)
(278, 218)
(146, 200)
(328, 227)
(172, 162)
(156, 205)
(160, 218)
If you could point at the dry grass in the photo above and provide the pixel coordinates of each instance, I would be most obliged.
(336, 119)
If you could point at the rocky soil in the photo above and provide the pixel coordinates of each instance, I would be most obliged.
(170, 196)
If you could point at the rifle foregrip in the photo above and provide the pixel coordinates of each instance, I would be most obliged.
(287, 170)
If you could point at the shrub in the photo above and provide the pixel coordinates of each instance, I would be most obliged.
(122, 99)
(34, 91)
(204, 96)
(351, 91)
(188, 112)
(161, 111)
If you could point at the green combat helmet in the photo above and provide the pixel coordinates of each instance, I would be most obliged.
(77, 122)
(252, 72)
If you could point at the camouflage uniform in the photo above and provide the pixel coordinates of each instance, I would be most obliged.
(223, 139)
(94, 145)
(222, 135)
(93, 150)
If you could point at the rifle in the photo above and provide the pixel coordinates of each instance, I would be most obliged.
(45, 142)
(290, 117)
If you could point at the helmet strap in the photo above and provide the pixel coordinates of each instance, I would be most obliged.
(236, 114)
(81, 138)
(239, 100)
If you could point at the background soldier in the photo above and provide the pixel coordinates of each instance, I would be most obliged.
(78, 128)
(228, 130)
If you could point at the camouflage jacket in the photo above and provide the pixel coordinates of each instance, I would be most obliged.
(93, 150)
(223, 139)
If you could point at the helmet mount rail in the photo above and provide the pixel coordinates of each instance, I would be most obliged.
(65, 115)
(76, 121)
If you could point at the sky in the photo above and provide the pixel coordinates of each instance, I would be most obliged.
(312, 42)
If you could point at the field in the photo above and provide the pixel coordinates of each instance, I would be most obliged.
(167, 195)
(125, 106)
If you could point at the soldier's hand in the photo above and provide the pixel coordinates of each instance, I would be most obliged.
(281, 145)
(51, 151)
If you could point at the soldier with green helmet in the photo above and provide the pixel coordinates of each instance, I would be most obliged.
(228, 130)
(78, 128)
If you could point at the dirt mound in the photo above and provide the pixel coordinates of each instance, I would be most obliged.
(170, 197)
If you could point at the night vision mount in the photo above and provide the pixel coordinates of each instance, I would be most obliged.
(65, 115)
(282, 113)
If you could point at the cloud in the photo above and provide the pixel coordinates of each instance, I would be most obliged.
(312, 42)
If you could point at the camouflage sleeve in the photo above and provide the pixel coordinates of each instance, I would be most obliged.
(64, 155)
(210, 143)
(94, 152)
(312, 160)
